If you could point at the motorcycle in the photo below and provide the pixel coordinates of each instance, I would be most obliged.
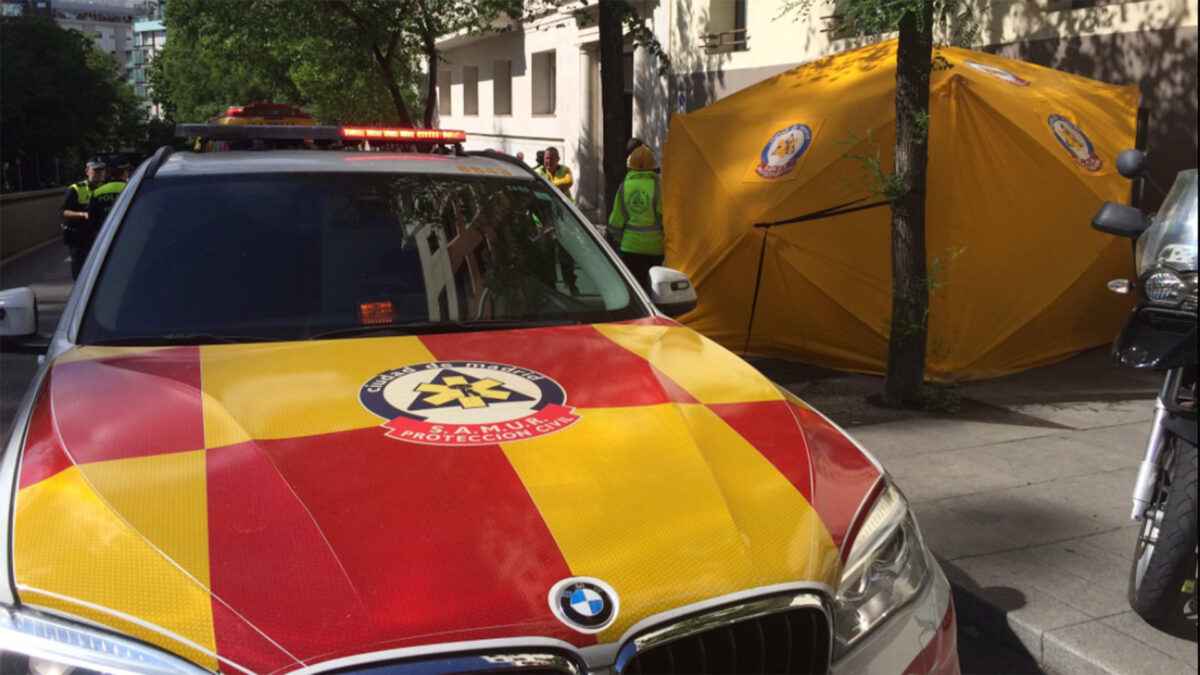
(1160, 334)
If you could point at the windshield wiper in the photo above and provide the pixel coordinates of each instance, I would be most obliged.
(171, 339)
(430, 327)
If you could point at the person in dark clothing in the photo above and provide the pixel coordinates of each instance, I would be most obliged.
(78, 231)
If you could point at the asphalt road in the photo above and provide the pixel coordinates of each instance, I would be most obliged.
(47, 271)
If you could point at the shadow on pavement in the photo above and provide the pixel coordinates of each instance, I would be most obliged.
(986, 643)
(852, 399)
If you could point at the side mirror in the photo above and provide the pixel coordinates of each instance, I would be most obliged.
(19, 320)
(672, 291)
(18, 312)
(1131, 163)
(1121, 220)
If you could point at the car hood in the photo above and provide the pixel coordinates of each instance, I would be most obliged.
(275, 505)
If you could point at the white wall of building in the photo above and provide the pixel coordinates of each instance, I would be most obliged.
(703, 72)
(525, 126)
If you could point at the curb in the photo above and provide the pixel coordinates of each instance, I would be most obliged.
(976, 614)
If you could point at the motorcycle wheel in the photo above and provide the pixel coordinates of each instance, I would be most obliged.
(1162, 581)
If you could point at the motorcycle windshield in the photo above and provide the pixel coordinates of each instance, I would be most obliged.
(1171, 239)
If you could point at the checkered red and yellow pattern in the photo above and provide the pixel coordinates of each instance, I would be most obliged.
(238, 502)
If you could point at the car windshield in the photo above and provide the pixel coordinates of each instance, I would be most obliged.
(310, 256)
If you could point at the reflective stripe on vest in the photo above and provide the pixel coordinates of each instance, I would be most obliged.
(83, 192)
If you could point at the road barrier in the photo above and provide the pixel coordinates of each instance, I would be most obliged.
(28, 219)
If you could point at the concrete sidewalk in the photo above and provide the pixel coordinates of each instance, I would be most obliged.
(1023, 494)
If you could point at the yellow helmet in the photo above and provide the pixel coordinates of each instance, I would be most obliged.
(642, 159)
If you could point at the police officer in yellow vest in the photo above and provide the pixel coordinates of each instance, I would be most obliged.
(78, 232)
(635, 224)
(106, 195)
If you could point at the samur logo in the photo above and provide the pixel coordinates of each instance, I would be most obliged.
(1075, 142)
(780, 154)
(466, 403)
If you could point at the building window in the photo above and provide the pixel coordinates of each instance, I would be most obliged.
(544, 74)
(502, 87)
(470, 90)
(726, 27)
(444, 107)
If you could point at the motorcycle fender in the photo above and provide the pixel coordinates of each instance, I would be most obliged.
(1146, 341)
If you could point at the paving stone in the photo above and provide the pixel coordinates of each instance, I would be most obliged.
(1003, 597)
(1072, 573)
(917, 437)
(1029, 515)
(1094, 647)
(1087, 414)
(1132, 625)
(1051, 457)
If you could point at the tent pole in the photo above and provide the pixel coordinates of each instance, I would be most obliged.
(766, 228)
(762, 252)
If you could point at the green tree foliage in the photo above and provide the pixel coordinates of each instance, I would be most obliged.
(357, 61)
(914, 22)
(62, 101)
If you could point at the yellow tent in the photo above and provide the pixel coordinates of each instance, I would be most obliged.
(1020, 157)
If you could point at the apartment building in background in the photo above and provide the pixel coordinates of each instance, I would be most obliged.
(131, 31)
(148, 38)
(538, 84)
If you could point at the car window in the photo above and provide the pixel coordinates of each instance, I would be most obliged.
(297, 256)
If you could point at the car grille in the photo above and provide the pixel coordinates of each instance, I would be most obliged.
(781, 633)
(790, 634)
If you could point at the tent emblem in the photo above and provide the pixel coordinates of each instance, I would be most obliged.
(1075, 142)
(781, 153)
(998, 73)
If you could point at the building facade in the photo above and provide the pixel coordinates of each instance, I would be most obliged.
(108, 22)
(148, 38)
(538, 84)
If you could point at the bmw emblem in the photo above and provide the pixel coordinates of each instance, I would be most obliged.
(586, 604)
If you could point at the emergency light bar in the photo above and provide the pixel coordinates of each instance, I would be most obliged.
(435, 135)
(270, 132)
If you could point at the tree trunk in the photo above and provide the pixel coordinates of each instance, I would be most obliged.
(429, 44)
(612, 97)
(910, 288)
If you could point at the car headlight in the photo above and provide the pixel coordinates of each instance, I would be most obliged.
(886, 568)
(44, 645)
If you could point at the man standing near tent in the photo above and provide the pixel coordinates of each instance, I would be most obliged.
(635, 224)
(561, 177)
(556, 173)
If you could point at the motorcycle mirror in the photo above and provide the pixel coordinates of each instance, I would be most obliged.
(1121, 220)
(1131, 163)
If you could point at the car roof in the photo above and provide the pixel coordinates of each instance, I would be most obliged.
(336, 161)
